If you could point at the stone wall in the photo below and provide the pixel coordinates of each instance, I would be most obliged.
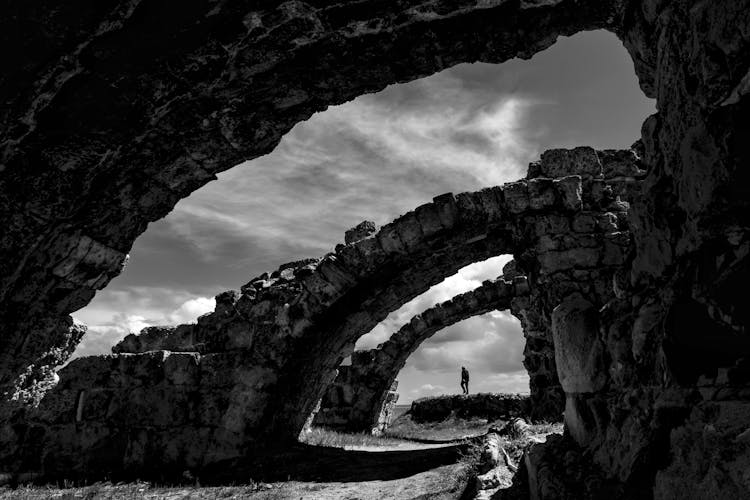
(154, 415)
(348, 405)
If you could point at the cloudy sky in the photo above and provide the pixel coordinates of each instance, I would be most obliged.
(375, 158)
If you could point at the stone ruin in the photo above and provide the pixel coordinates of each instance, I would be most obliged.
(114, 112)
(249, 375)
(362, 396)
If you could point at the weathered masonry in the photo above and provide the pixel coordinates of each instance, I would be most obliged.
(250, 373)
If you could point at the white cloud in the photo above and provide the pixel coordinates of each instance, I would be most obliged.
(189, 311)
(365, 159)
(426, 390)
(136, 323)
(106, 327)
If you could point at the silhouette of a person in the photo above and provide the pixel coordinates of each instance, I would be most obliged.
(464, 380)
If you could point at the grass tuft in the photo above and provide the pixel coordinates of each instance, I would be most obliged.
(320, 436)
(450, 429)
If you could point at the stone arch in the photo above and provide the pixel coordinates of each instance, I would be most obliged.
(368, 380)
(251, 372)
(187, 96)
(521, 218)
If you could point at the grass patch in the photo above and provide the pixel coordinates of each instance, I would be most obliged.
(320, 436)
(450, 429)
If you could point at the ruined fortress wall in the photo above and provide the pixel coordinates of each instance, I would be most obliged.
(354, 402)
(263, 359)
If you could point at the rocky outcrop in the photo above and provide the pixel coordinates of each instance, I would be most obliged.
(482, 405)
(614, 175)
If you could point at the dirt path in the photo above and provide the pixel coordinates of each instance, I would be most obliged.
(309, 473)
(317, 463)
(443, 483)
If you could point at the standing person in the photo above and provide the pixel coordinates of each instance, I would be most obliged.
(464, 380)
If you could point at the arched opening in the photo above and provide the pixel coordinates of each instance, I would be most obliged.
(359, 398)
(367, 393)
(495, 359)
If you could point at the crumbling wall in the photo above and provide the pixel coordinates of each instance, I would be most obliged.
(636, 405)
(354, 403)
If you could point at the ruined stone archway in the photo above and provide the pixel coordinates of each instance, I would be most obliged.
(116, 113)
(251, 372)
(359, 400)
